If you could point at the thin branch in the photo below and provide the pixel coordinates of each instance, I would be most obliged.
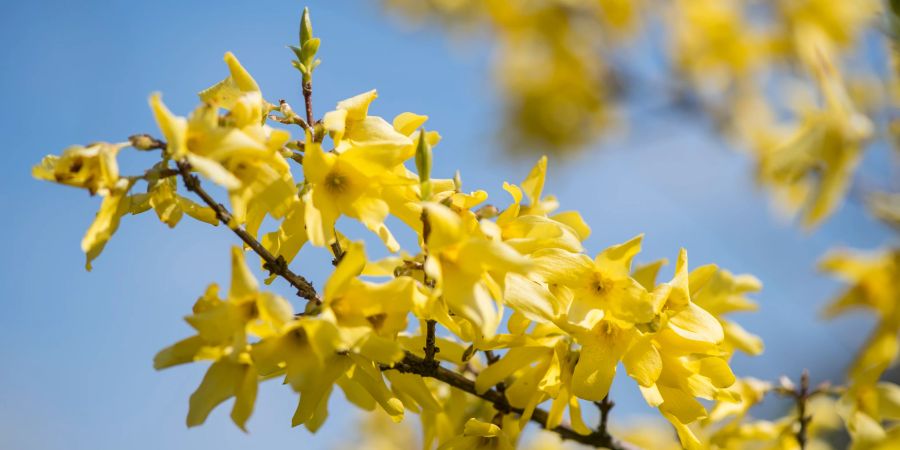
(416, 365)
(307, 98)
(430, 348)
(803, 418)
(801, 395)
(276, 265)
(604, 406)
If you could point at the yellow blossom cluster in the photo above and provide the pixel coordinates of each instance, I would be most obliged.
(500, 315)
(518, 283)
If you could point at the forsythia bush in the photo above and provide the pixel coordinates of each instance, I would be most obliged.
(500, 317)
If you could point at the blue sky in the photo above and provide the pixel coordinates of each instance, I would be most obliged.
(77, 347)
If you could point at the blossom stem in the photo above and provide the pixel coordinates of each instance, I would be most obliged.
(307, 98)
(604, 406)
(276, 265)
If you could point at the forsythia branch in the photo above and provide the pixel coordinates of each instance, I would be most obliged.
(415, 365)
(276, 265)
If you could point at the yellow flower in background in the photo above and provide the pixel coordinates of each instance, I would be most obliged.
(813, 167)
(871, 414)
(874, 284)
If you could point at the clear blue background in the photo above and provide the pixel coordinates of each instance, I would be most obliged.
(76, 347)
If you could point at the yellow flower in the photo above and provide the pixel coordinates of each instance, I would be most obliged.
(720, 292)
(350, 126)
(350, 183)
(528, 228)
(479, 435)
(222, 329)
(468, 268)
(169, 206)
(93, 168)
(115, 204)
(236, 151)
(599, 288)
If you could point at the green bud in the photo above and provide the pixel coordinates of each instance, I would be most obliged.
(423, 165)
(306, 30)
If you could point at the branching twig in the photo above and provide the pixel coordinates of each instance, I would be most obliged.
(801, 396)
(416, 365)
(276, 265)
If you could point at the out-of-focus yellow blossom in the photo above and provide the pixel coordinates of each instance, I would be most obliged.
(715, 44)
(885, 206)
(479, 436)
(872, 415)
(812, 169)
(874, 284)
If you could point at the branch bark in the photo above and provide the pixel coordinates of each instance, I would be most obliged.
(416, 365)
(276, 265)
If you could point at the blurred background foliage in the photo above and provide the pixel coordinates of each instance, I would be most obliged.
(803, 86)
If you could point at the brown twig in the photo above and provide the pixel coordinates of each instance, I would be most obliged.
(416, 365)
(803, 418)
(430, 348)
(604, 406)
(307, 98)
(801, 395)
(276, 265)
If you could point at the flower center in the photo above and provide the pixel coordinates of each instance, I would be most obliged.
(336, 183)
(601, 285)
